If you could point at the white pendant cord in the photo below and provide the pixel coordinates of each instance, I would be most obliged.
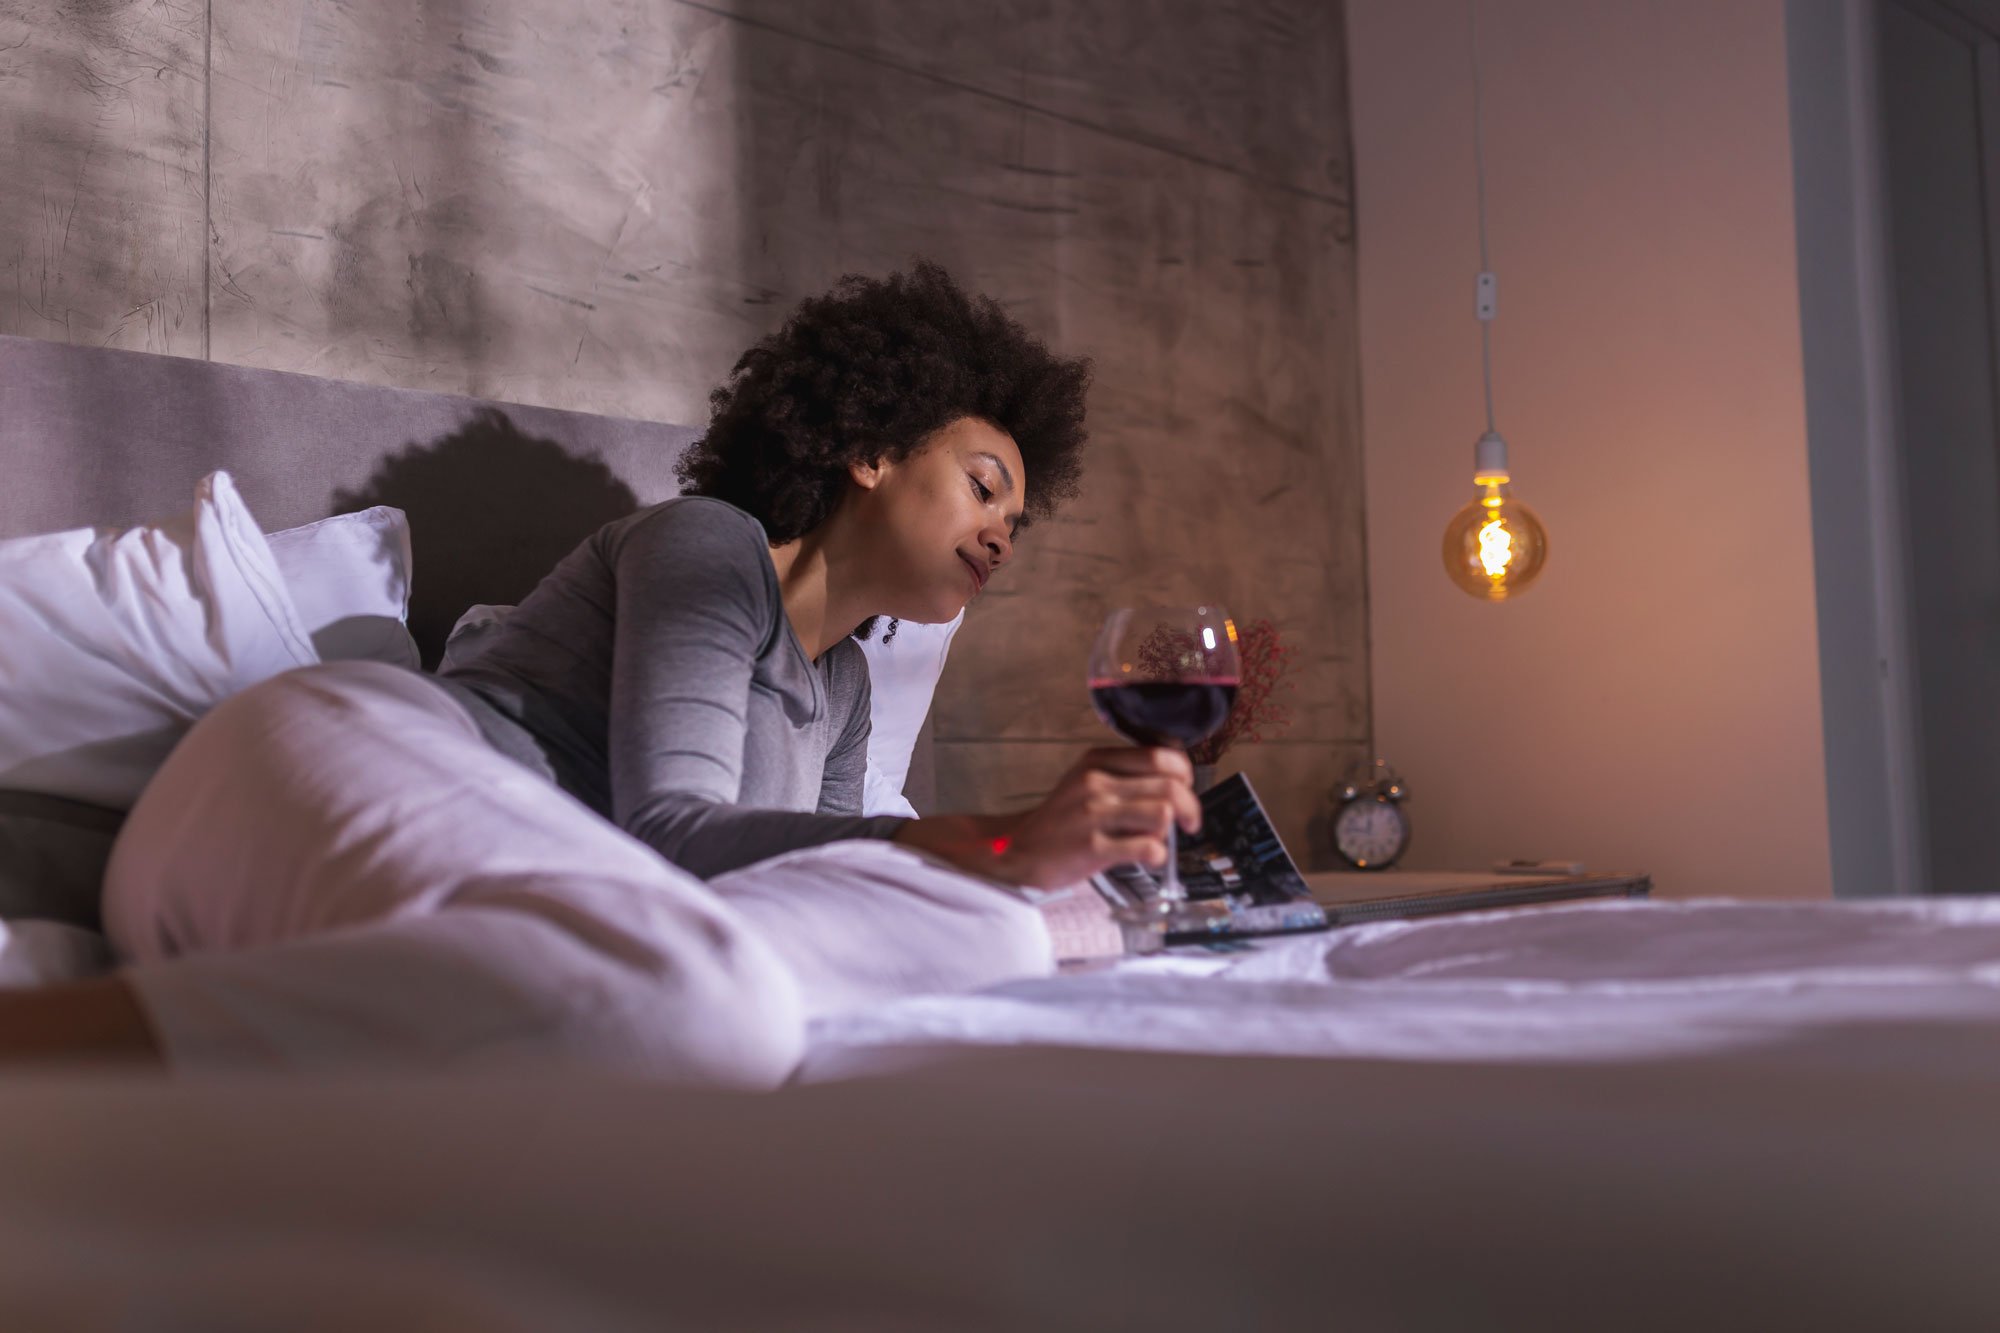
(1485, 299)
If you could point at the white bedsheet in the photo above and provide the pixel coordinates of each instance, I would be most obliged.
(1864, 985)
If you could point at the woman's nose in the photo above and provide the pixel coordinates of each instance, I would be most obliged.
(1001, 548)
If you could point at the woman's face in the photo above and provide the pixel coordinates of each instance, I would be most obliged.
(941, 522)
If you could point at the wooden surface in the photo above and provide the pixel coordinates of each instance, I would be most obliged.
(1358, 895)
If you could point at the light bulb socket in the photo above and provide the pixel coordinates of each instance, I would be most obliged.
(1489, 460)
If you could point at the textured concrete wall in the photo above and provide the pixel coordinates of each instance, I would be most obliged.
(597, 206)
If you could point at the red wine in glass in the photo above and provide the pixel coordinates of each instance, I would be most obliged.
(1164, 712)
(1165, 676)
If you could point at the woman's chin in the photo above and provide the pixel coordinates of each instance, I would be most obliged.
(944, 611)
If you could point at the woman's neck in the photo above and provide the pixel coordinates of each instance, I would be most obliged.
(810, 586)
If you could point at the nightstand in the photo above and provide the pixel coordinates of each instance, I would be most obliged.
(1375, 895)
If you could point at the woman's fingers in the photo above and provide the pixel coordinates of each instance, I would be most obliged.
(1149, 804)
(1150, 852)
(1150, 817)
(1133, 761)
(1134, 773)
(1187, 806)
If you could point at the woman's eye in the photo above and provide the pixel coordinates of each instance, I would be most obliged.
(979, 489)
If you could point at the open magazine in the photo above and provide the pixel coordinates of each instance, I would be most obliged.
(1239, 878)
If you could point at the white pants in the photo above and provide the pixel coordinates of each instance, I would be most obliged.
(334, 869)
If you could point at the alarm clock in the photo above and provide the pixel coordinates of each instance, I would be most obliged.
(1370, 828)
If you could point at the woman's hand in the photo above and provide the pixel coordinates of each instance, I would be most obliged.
(1115, 805)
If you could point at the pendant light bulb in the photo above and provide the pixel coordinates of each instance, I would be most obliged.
(1495, 546)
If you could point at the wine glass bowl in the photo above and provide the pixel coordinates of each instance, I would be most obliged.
(1165, 676)
(1155, 712)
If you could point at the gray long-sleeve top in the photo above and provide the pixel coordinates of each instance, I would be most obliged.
(654, 675)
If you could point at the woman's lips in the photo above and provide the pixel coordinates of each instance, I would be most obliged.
(978, 575)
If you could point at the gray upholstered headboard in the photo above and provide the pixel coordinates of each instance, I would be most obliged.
(496, 493)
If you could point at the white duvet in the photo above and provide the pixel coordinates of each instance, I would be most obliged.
(1874, 984)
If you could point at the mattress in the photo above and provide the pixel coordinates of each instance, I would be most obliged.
(1045, 1190)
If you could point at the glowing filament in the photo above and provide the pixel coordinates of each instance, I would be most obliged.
(1496, 548)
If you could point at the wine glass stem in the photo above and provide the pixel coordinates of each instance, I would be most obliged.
(1170, 887)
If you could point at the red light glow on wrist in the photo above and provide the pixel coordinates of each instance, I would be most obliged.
(1000, 845)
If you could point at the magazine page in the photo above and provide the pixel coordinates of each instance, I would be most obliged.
(1237, 875)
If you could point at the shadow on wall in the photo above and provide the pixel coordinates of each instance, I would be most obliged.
(492, 509)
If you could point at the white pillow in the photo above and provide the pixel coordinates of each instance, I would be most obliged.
(349, 576)
(902, 674)
(112, 643)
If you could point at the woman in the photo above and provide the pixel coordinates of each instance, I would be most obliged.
(353, 863)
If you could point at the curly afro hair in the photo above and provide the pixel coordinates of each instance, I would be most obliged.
(870, 371)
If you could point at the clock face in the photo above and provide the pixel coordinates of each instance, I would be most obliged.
(1370, 833)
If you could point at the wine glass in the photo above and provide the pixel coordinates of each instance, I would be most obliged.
(1165, 675)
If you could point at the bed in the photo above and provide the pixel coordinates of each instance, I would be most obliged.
(1644, 1114)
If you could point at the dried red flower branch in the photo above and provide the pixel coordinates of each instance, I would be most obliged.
(1265, 660)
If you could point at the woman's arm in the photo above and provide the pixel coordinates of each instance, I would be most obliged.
(845, 780)
(1114, 806)
(696, 607)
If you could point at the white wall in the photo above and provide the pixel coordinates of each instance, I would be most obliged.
(1654, 702)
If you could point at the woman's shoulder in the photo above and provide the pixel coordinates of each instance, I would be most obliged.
(846, 668)
(692, 544)
(847, 665)
(694, 518)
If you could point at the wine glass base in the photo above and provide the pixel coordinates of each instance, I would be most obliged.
(1143, 926)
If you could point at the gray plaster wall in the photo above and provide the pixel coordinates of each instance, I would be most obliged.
(597, 206)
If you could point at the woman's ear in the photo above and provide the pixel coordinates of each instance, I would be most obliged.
(868, 475)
